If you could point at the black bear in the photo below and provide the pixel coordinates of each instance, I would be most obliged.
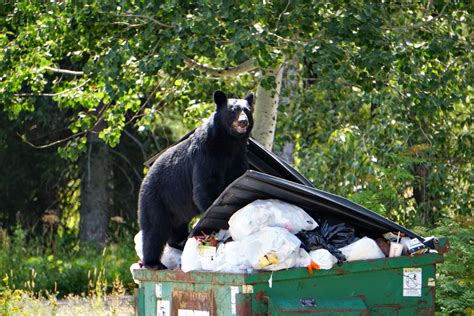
(189, 176)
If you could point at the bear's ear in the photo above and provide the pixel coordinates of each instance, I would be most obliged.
(220, 98)
(249, 99)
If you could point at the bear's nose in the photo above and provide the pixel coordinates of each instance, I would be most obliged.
(243, 119)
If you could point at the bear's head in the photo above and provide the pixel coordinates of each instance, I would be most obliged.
(235, 115)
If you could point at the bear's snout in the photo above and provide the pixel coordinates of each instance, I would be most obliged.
(243, 120)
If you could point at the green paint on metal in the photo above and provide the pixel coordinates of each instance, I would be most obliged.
(140, 301)
(308, 306)
(375, 286)
(149, 297)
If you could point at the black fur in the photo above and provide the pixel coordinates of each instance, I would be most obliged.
(190, 175)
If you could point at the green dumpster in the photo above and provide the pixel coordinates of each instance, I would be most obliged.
(391, 286)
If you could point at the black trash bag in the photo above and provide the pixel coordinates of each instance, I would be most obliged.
(329, 237)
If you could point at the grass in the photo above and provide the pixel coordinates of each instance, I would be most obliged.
(19, 302)
(66, 268)
(60, 276)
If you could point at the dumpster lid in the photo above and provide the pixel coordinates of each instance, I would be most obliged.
(267, 162)
(318, 204)
(276, 179)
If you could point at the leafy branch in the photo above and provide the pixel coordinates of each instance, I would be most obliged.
(246, 66)
(73, 136)
(62, 71)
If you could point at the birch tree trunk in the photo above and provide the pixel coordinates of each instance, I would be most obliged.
(265, 112)
(289, 86)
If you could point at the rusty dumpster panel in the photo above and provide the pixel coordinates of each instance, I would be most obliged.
(188, 302)
(391, 286)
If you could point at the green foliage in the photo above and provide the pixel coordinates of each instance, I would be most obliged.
(67, 267)
(455, 277)
(380, 113)
(383, 112)
(126, 62)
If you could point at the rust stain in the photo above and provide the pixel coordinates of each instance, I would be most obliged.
(425, 311)
(341, 271)
(363, 297)
(442, 248)
(244, 305)
(181, 276)
(422, 302)
(396, 307)
(259, 296)
(430, 291)
(197, 301)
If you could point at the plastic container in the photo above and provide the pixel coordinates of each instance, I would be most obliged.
(396, 249)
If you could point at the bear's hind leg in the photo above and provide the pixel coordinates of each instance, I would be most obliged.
(179, 236)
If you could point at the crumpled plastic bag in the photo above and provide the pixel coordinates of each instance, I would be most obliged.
(324, 259)
(274, 213)
(363, 249)
(271, 248)
(229, 258)
(197, 257)
(329, 237)
(171, 257)
(138, 239)
(135, 266)
(190, 257)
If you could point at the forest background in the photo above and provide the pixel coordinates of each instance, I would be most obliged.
(371, 100)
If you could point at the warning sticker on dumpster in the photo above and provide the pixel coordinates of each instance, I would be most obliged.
(411, 281)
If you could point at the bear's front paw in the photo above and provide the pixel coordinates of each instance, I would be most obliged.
(158, 266)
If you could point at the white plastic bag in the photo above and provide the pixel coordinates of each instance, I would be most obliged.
(223, 235)
(303, 259)
(171, 257)
(138, 239)
(135, 266)
(363, 249)
(265, 254)
(229, 259)
(190, 257)
(273, 213)
(197, 257)
(323, 258)
(271, 248)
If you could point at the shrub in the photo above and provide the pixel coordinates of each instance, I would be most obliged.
(455, 277)
(69, 267)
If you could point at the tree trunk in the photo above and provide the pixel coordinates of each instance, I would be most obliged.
(289, 88)
(420, 193)
(94, 211)
(265, 112)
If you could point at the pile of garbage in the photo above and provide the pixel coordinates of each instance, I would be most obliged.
(272, 235)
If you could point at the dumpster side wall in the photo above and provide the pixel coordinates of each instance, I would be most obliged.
(391, 286)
